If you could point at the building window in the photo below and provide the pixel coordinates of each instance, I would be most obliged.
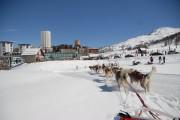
(3, 44)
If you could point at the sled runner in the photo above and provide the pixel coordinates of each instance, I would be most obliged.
(126, 116)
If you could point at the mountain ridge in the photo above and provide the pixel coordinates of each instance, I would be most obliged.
(153, 37)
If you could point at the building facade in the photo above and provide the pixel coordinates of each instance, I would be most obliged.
(6, 47)
(77, 44)
(93, 50)
(22, 47)
(33, 55)
(46, 40)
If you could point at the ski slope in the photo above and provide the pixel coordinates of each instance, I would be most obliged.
(66, 90)
(157, 34)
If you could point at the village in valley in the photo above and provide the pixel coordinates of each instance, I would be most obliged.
(11, 56)
(64, 74)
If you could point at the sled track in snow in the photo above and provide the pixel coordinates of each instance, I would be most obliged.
(161, 82)
(155, 99)
(170, 75)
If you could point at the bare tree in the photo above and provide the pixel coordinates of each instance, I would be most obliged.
(177, 40)
(169, 42)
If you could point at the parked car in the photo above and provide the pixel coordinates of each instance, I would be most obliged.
(16, 61)
(116, 56)
(129, 55)
(156, 53)
(172, 52)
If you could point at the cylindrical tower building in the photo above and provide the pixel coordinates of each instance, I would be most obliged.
(46, 40)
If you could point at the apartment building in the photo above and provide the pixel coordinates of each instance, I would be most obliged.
(6, 47)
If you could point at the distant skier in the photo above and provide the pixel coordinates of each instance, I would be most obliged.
(160, 59)
(151, 59)
(164, 59)
(103, 66)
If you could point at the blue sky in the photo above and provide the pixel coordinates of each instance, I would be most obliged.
(96, 23)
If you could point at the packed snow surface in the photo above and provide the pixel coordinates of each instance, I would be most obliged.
(68, 90)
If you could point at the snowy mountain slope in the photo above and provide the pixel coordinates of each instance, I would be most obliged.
(157, 34)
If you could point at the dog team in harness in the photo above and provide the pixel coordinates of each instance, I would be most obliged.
(121, 76)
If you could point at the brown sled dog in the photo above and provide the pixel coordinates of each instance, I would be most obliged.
(108, 73)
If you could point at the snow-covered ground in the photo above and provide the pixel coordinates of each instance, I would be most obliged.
(68, 90)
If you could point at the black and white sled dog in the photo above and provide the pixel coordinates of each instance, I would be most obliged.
(135, 76)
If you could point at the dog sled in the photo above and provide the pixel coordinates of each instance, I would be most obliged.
(122, 115)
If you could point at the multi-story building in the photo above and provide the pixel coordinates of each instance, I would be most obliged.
(22, 47)
(77, 44)
(93, 50)
(6, 47)
(46, 40)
